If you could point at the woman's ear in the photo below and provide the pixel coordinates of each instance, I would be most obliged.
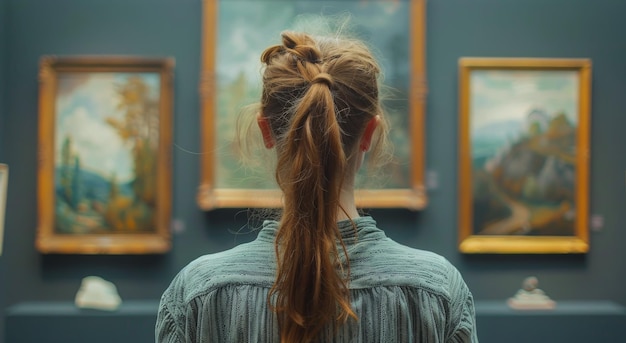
(366, 139)
(266, 131)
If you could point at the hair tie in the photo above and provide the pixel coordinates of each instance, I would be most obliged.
(323, 78)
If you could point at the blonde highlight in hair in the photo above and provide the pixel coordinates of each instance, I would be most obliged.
(318, 96)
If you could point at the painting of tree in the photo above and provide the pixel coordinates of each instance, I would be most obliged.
(108, 148)
(104, 174)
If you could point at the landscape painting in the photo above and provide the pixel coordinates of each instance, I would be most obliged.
(244, 32)
(233, 81)
(106, 147)
(524, 128)
(523, 141)
(108, 161)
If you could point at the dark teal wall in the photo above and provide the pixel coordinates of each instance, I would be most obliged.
(534, 28)
(521, 28)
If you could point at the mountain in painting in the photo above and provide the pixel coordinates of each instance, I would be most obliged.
(526, 186)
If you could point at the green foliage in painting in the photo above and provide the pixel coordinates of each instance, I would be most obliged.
(66, 171)
(76, 184)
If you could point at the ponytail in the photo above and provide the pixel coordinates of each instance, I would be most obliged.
(299, 99)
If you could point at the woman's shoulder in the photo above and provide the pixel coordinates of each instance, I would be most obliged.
(395, 264)
(390, 252)
(246, 264)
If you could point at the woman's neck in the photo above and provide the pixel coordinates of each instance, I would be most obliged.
(346, 199)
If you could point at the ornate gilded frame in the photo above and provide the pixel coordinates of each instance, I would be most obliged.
(4, 183)
(49, 239)
(516, 243)
(210, 197)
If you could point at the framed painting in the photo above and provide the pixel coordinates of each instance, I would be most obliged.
(524, 155)
(235, 32)
(4, 182)
(105, 135)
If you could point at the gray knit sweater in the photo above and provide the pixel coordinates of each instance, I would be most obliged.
(399, 294)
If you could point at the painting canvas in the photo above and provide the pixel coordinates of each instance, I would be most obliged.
(526, 162)
(105, 152)
(233, 81)
(4, 182)
(109, 131)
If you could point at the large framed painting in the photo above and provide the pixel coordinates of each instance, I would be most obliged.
(105, 135)
(235, 32)
(4, 182)
(524, 155)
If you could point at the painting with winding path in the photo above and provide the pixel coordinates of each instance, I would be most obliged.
(523, 127)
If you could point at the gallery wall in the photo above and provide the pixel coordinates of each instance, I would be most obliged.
(456, 28)
(535, 28)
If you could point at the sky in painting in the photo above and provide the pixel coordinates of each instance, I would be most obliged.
(245, 31)
(501, 96)
(84, 101)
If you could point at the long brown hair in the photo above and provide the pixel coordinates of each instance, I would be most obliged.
(318, 96)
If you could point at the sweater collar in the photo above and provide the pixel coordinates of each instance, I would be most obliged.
(364, 228)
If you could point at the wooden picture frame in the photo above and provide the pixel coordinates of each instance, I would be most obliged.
(105, 136)
(4, 183)
(524, 155)
(213, 191)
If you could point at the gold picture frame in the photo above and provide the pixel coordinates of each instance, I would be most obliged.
(105, 136)
(524, 127)
(4, 183)
(212, 195)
